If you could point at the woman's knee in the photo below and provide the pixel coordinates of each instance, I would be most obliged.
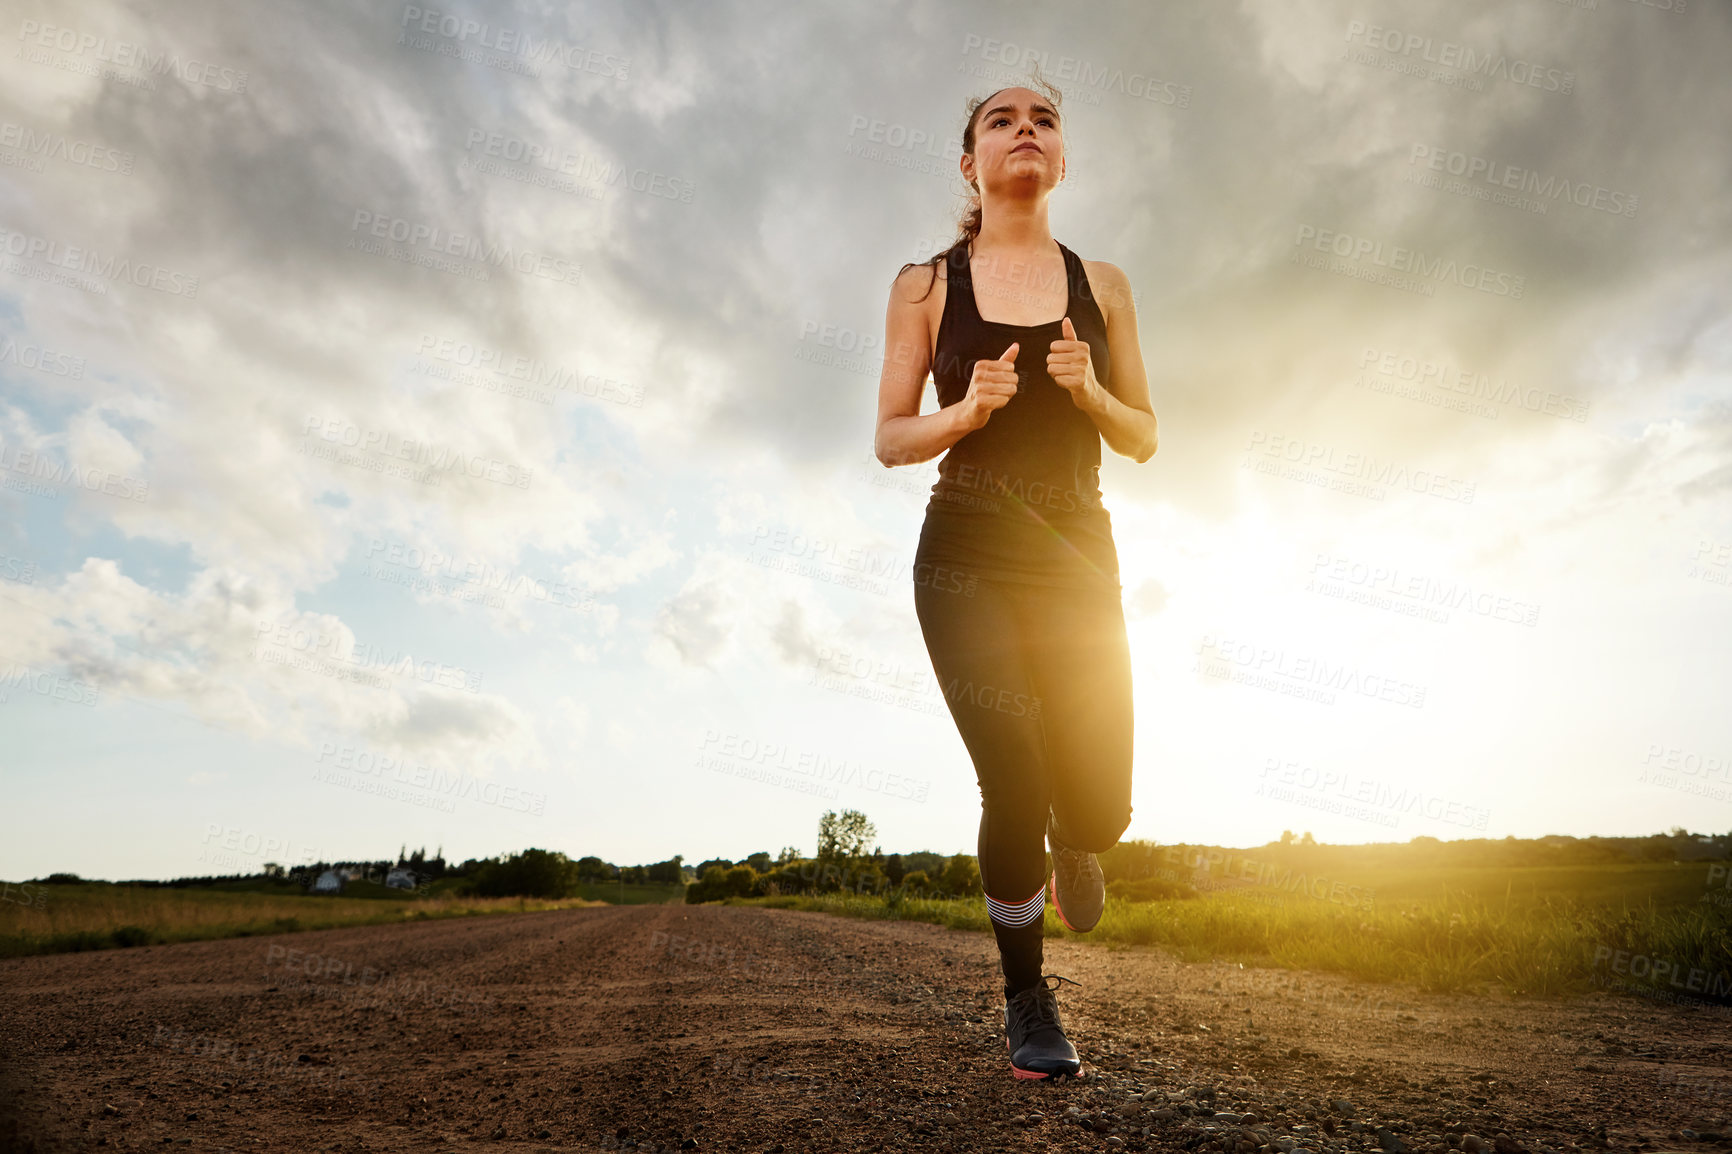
(1097, 832)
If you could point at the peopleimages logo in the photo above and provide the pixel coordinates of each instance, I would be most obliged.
(41, 359)
(1368, 792)
(514, 42)
(1314, 461)
(467, 246)
(436, 458)
(37, 465)
(1310, 677)
(1449, 54)
(42, 145)
(1440, 376)
(15, 678)
(123, 54)
(1496, 173)
(92, 262)
(1098, 77)
(1413, 261)
(576, 165)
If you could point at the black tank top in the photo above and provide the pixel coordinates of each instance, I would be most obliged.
(1019, 498)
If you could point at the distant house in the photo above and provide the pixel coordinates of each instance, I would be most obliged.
(401, 879)
(329, 882)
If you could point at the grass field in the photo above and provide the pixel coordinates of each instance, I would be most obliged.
(1543, 931)
(1661, 929)
(93, 915)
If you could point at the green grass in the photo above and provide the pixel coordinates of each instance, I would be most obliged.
(1539, 932)
(647, 893)
(1529, 886)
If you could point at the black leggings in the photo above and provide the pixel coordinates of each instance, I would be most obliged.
(1038, 680)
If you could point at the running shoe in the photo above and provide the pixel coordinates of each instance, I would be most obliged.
(1079, 890)
(1034, 1034)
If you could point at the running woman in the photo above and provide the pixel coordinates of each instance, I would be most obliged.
(1016, 576)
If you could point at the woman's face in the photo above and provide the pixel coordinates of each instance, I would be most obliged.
(1016, 139)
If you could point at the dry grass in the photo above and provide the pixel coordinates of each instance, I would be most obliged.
(63, 918)
(1454, 943)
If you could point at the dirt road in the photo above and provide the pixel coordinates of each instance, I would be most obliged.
(673, 1027)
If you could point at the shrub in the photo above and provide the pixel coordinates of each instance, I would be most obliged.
(961, 876)
(711, 887)
(741, 881)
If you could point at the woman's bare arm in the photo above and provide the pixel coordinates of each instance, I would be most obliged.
(904, 437)
(1125, 415)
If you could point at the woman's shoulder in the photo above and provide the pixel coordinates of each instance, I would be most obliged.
(916, 283)
(1109, 284)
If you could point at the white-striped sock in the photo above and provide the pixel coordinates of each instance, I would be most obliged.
(1017, 913)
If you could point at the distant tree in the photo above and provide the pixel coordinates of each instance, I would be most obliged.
(893, 869)
(789, 853)
(844, 836)
(666, 871)
(1306, 838)
(760, 862)
(704, 867)
(534, 873)
(594, 869)
(273, 870)
(1657, 847)
(1286, 837)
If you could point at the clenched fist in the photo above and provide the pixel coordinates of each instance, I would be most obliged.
(991, 388)
(1069, 364)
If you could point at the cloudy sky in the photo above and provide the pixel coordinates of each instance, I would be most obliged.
(427, 426)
